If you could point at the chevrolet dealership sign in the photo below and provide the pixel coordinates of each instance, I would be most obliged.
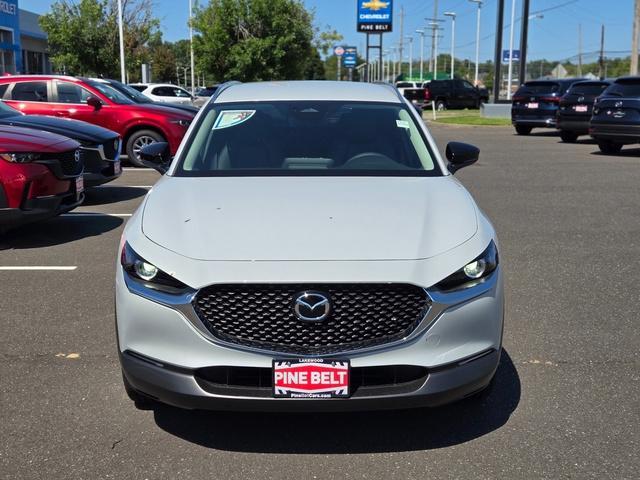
(375, 16)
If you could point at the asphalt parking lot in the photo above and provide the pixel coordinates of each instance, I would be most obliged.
(566, 402)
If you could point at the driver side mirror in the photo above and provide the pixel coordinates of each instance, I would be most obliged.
(94, 102)
(156, 155)
(461, 155)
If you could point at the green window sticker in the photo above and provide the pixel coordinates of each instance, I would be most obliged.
(231, 118)
(402, 124)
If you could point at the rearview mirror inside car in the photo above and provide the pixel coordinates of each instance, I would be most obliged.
(461, 155)
(94, 102)
(156, 155)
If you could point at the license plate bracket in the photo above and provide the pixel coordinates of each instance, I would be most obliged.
(581, 108)
(79, 186)
(311, 378)
(117, 167)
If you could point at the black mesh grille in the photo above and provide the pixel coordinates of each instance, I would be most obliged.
(63, 164)
(262, 316)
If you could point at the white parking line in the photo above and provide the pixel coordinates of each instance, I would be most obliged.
(96, 214)
(38, 268)
(134, 169)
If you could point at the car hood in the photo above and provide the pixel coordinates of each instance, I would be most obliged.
(309, 218)
(162, 109)
(28, 140)
(81, 131)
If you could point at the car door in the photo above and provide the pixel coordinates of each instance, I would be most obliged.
(30, 97)
(70, 101)
(165, 94)
(469, 94)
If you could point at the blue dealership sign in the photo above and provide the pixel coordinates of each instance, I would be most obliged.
(350, 57)
(375, 16)
(505, 56)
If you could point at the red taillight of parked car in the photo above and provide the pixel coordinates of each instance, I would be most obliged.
(427, 94)
(551, 99)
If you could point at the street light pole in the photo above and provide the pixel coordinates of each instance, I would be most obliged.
(421, 32)
(193, 70)
(453, 41)
(479, 3)
(410, 56)
(121, 33)
(510, 74)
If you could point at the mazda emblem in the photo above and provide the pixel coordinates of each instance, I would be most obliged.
(580, 99)
(311, 306)
(76, 156)
(618, 104)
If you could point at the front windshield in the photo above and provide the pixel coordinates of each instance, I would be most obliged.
(307, 138)
(132, 93)
(7, 111)
(111, 93)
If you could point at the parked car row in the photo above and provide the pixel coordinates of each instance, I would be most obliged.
(608, 111)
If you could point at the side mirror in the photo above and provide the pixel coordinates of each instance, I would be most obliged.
(156, 155)
(94, 102)
(461, 155)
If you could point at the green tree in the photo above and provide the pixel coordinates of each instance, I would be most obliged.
(83, 35)
(251, 40)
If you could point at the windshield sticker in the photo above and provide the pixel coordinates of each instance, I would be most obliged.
(231, 118)
(402, 124)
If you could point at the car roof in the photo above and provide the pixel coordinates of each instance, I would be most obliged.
(42, 78)
(316, 90)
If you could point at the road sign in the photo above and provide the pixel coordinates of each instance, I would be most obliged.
(350, 57)
(505, 56)
(375, 16)
(338, 51)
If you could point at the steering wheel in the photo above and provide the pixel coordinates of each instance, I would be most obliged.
(370, 160)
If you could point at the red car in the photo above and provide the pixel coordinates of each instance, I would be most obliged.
(40, 175)
(98, 103)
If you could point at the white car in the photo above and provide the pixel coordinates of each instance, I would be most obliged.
(164, 92)
(308, 249)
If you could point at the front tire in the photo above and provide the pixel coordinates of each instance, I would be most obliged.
(522, 130)
(609, 147)
(568, 137)
(137, 141)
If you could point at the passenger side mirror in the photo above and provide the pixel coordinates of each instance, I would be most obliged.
(156, 155)
(461, 155)
(94, 102)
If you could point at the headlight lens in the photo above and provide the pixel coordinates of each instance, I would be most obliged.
(473, 272)
(19, 157)
(147, 273)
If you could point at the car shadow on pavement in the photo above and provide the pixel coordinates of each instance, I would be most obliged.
(625, 152)
(57, 231)
(340, 433)
(112, 194)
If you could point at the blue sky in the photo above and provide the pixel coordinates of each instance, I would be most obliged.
(553, 37)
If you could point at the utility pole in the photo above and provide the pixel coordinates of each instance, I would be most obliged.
(479, 3)
(524, 37)
(497, 58)
(410, 39)
(579, 50)
(433, 36)
(634, 39)
(193, 68)
(510, 74)
(601, 59)
(421, 32)
(121, 33)
(401, 36)
(453, 41)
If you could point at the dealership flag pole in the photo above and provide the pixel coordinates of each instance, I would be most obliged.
(510, 76)
(122, 69)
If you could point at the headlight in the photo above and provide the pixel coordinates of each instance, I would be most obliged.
(473, 272)
(19, 157)
(148, 274)
(182, 123)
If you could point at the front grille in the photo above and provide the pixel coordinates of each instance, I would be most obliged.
(364, 381)
(262, 316)
(63, 164)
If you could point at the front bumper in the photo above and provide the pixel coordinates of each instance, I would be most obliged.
(39, 208)
(162, 349)
(619, 133)
(98, 169)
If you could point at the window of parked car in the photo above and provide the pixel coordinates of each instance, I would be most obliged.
(308, 138)
(539, 87)
(207, 92)
(140, 88)
(624, 88)
(588, 88)
(111, 93)
(71, 93)
(405, 85)
(170, 92)
(29, 92)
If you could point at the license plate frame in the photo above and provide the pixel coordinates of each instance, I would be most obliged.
(533, 105)
(117, 167)
(311, 378)
(581, 108)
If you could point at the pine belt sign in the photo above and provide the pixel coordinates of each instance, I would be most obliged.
(375, 16)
